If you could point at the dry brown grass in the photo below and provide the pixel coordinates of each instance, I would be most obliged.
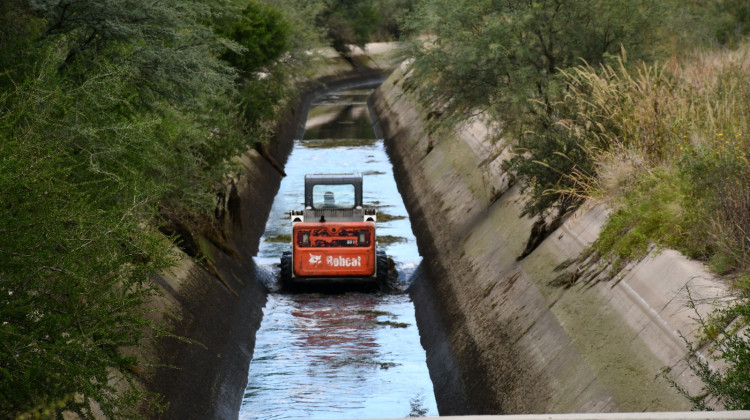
(691, 114)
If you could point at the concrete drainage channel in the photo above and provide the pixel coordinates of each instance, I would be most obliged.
(222, 312)
(471, 381)
(705, 415)
(340, 351)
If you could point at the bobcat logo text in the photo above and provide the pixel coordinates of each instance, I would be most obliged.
(344, 261)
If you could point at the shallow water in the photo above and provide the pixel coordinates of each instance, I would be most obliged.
(349, 354)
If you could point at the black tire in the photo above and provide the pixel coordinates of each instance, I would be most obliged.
(285, 274)
(382, 269)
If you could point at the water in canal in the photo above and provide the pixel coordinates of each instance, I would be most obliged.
(339, 355)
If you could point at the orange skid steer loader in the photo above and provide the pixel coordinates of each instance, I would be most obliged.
(333, 237)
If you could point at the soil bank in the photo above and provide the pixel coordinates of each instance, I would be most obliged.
(523, 345)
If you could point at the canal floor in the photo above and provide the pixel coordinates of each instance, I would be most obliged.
(339, 354)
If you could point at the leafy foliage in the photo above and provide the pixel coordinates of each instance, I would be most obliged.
(732, 350)
(262, 32)
(492, 56)
(168, 47)
(112, 115)
(76, 261)
(665, 144)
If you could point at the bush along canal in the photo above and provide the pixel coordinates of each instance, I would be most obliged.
(339, 353)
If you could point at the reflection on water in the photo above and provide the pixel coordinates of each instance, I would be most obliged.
(349, 121)
(344, 356)
(348, 355)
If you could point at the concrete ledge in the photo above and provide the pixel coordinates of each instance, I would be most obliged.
(675, 415)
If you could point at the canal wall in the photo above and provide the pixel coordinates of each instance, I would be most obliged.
(214, 307)
(522, 344)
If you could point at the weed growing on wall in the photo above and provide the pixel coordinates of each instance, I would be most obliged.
(650, 211)
(718, 174)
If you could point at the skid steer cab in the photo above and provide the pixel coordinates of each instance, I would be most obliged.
(333, 237)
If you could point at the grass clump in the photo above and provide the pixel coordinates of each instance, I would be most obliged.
(385, 240)
(665, 146)
(650, 212)
(392, 324)
(283, 238)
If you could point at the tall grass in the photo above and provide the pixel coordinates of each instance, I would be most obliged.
(684, 119)
(669, 144)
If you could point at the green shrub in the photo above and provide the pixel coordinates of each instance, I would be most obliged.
(651, 212)
(112, 115)
(719, 177)
(76, 258)
(261, 31)
(731, 348)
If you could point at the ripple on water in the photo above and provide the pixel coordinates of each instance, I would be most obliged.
(338, 356)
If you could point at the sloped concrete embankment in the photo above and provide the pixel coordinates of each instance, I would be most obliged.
(521, 344)
(217, 304)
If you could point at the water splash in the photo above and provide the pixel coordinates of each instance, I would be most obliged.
(267, 272)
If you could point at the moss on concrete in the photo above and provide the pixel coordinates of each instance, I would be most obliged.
(329, 143)
(624, 364)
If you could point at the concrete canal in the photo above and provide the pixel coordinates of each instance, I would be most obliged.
(499, 337)
(339, 353)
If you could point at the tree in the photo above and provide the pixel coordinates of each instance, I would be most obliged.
(76, 254)
(262, 32)
(111, 112)
(348, 23)
(492, 56)
(263, 35)
(170, 47)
